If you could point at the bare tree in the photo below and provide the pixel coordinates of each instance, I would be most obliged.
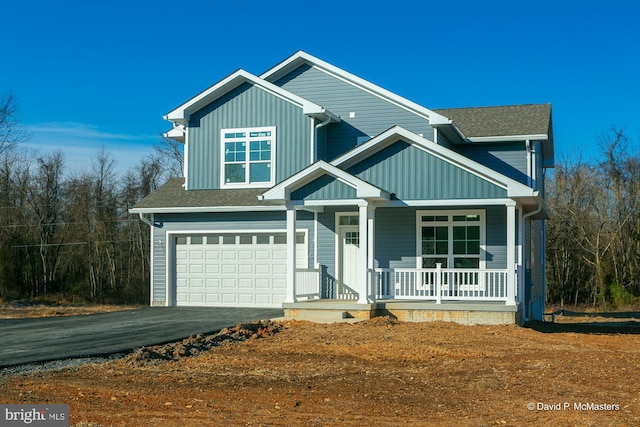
(593, 249)
(12, 132)
(46, 201)
(169, 153)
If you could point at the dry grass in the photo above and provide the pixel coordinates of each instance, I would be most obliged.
(22, 311)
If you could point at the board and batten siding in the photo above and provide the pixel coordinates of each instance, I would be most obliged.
(243, 107)
(413, 174)
(509, 159)
(325, 187)
(215, 223)
(373, 115)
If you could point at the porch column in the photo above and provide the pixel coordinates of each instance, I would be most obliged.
(291, 253)
(521, 256)
(363, 288)
(511, 252)
(371, 245)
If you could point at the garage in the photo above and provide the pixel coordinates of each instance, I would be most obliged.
(234, 269)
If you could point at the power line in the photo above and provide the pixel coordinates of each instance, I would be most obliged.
(71, 243)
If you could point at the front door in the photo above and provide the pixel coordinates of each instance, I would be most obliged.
(348, 257)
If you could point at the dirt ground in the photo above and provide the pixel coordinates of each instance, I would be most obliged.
(583, 370)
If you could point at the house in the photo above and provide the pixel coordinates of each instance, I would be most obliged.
(310, 188)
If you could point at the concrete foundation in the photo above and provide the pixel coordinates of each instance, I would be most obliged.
(466, 313)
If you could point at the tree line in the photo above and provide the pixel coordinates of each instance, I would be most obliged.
(593, 234)
(68, 234)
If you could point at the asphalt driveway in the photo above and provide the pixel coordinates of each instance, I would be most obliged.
(44, 339)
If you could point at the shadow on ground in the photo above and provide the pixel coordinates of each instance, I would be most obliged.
(609, 323)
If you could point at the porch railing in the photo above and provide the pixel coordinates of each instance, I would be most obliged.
(409, 283)
(440, 284)
(308, 284)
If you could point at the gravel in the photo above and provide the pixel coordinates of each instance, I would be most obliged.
(56, 365)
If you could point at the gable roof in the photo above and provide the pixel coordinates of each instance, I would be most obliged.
(396, 133)
(283, 190)
(182, 113)
(460, 125)
(300, 58)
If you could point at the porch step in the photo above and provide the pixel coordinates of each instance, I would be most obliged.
(319, 316)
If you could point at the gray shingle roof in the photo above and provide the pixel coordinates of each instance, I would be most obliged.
(173, 195)
(526, 119)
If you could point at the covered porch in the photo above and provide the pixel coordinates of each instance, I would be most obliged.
(417, 259)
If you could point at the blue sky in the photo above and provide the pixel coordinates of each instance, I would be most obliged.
(93, 75)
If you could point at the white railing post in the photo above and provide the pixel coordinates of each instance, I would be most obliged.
(438, 283)
(291, 254)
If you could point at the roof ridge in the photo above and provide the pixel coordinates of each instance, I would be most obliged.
(494, 106)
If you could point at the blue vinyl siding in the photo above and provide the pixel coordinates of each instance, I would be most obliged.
(321, 143)
(510, 159)
(444, 141)
(395, 236)
(325, 187)
(373, 114)
(218, 222)
(496, 236)
(327, 239)
(413, 174)
(246, 106)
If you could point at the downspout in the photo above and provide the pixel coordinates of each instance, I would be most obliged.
(314, 155)
(526, 216)
(529, 172)
(146, 220)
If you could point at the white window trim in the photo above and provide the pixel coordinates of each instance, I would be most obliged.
(246, 184)
(420, 223)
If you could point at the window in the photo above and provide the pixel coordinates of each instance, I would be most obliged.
(352, 238)
(248, 157)
(349, 220)
(453, 240)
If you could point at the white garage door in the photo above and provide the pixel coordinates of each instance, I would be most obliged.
(234, 269)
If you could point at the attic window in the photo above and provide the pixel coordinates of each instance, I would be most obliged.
(248, 157)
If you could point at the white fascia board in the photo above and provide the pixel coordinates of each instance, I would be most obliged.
(204, 209)
(514, 188)
(507, 138)
(372, 146)
(176, 133)
(446, 202)
(301, 57)
(182, 113)
(283, 190)
(310, 204)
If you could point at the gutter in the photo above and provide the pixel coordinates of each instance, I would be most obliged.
(146, 220)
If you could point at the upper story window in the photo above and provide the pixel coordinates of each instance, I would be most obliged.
(248, 157)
